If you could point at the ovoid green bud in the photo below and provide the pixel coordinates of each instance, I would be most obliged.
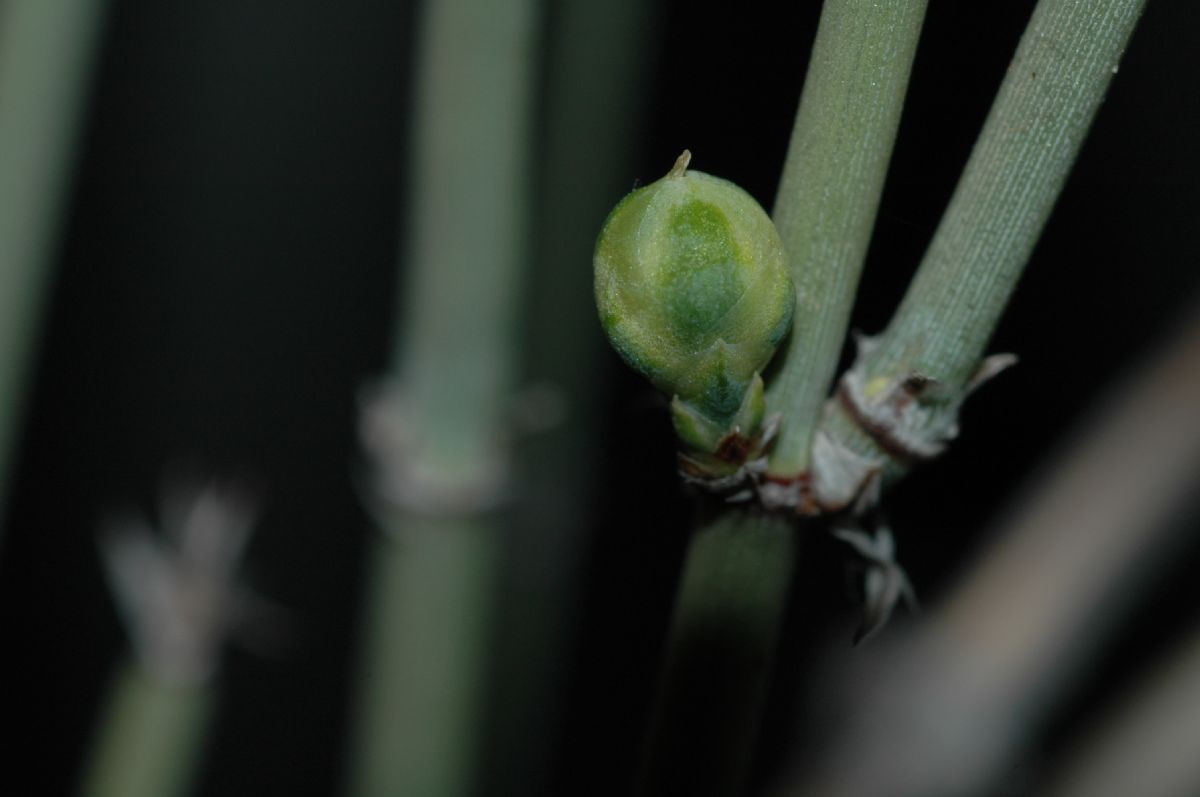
(694, 293)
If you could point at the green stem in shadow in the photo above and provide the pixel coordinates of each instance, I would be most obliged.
(152, 736)
(46, 49)
(708, 707)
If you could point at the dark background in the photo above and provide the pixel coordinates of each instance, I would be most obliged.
(226, 281)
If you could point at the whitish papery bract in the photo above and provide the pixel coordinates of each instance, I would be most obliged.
(693, 292)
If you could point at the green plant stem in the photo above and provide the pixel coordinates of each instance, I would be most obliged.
(455, 343)
(46, 49)
(150, 737)
(433, 569)
(829, 192)
(1038, 122)
(708, 707)
(423, 683)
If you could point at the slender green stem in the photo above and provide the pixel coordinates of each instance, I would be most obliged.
(1038, 122)
(455, 344)
(708, 708)
(46, 51)
(832, 180)
(422, 684)
(151, 737)
(438, 439)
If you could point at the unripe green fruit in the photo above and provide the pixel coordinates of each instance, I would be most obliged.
(694, 293)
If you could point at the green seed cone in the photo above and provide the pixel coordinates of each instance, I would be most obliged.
(693, 292)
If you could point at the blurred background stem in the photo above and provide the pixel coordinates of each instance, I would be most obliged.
(46, 53)
(1147, 745)
(424, 680)
(439, 440)
(152, 733)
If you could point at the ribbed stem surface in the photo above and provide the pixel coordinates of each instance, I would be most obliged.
(832, 180)
(1050, 95)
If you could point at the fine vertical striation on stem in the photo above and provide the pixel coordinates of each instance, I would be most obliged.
(46, 49)
(436, 434)
(829, 192)
(928, 358)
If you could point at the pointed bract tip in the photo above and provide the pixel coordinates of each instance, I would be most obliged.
(681, 164)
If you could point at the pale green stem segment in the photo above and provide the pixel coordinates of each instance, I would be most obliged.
(150, 738)
(828, 195)
(433, 570)
(455, 344)
(1038, 122)
(46, 49)
(708, 708)
(422, 681)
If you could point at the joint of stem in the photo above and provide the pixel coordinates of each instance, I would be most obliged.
(404, 478)
(879, 424)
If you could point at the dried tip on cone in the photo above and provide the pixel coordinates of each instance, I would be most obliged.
(681, 164)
